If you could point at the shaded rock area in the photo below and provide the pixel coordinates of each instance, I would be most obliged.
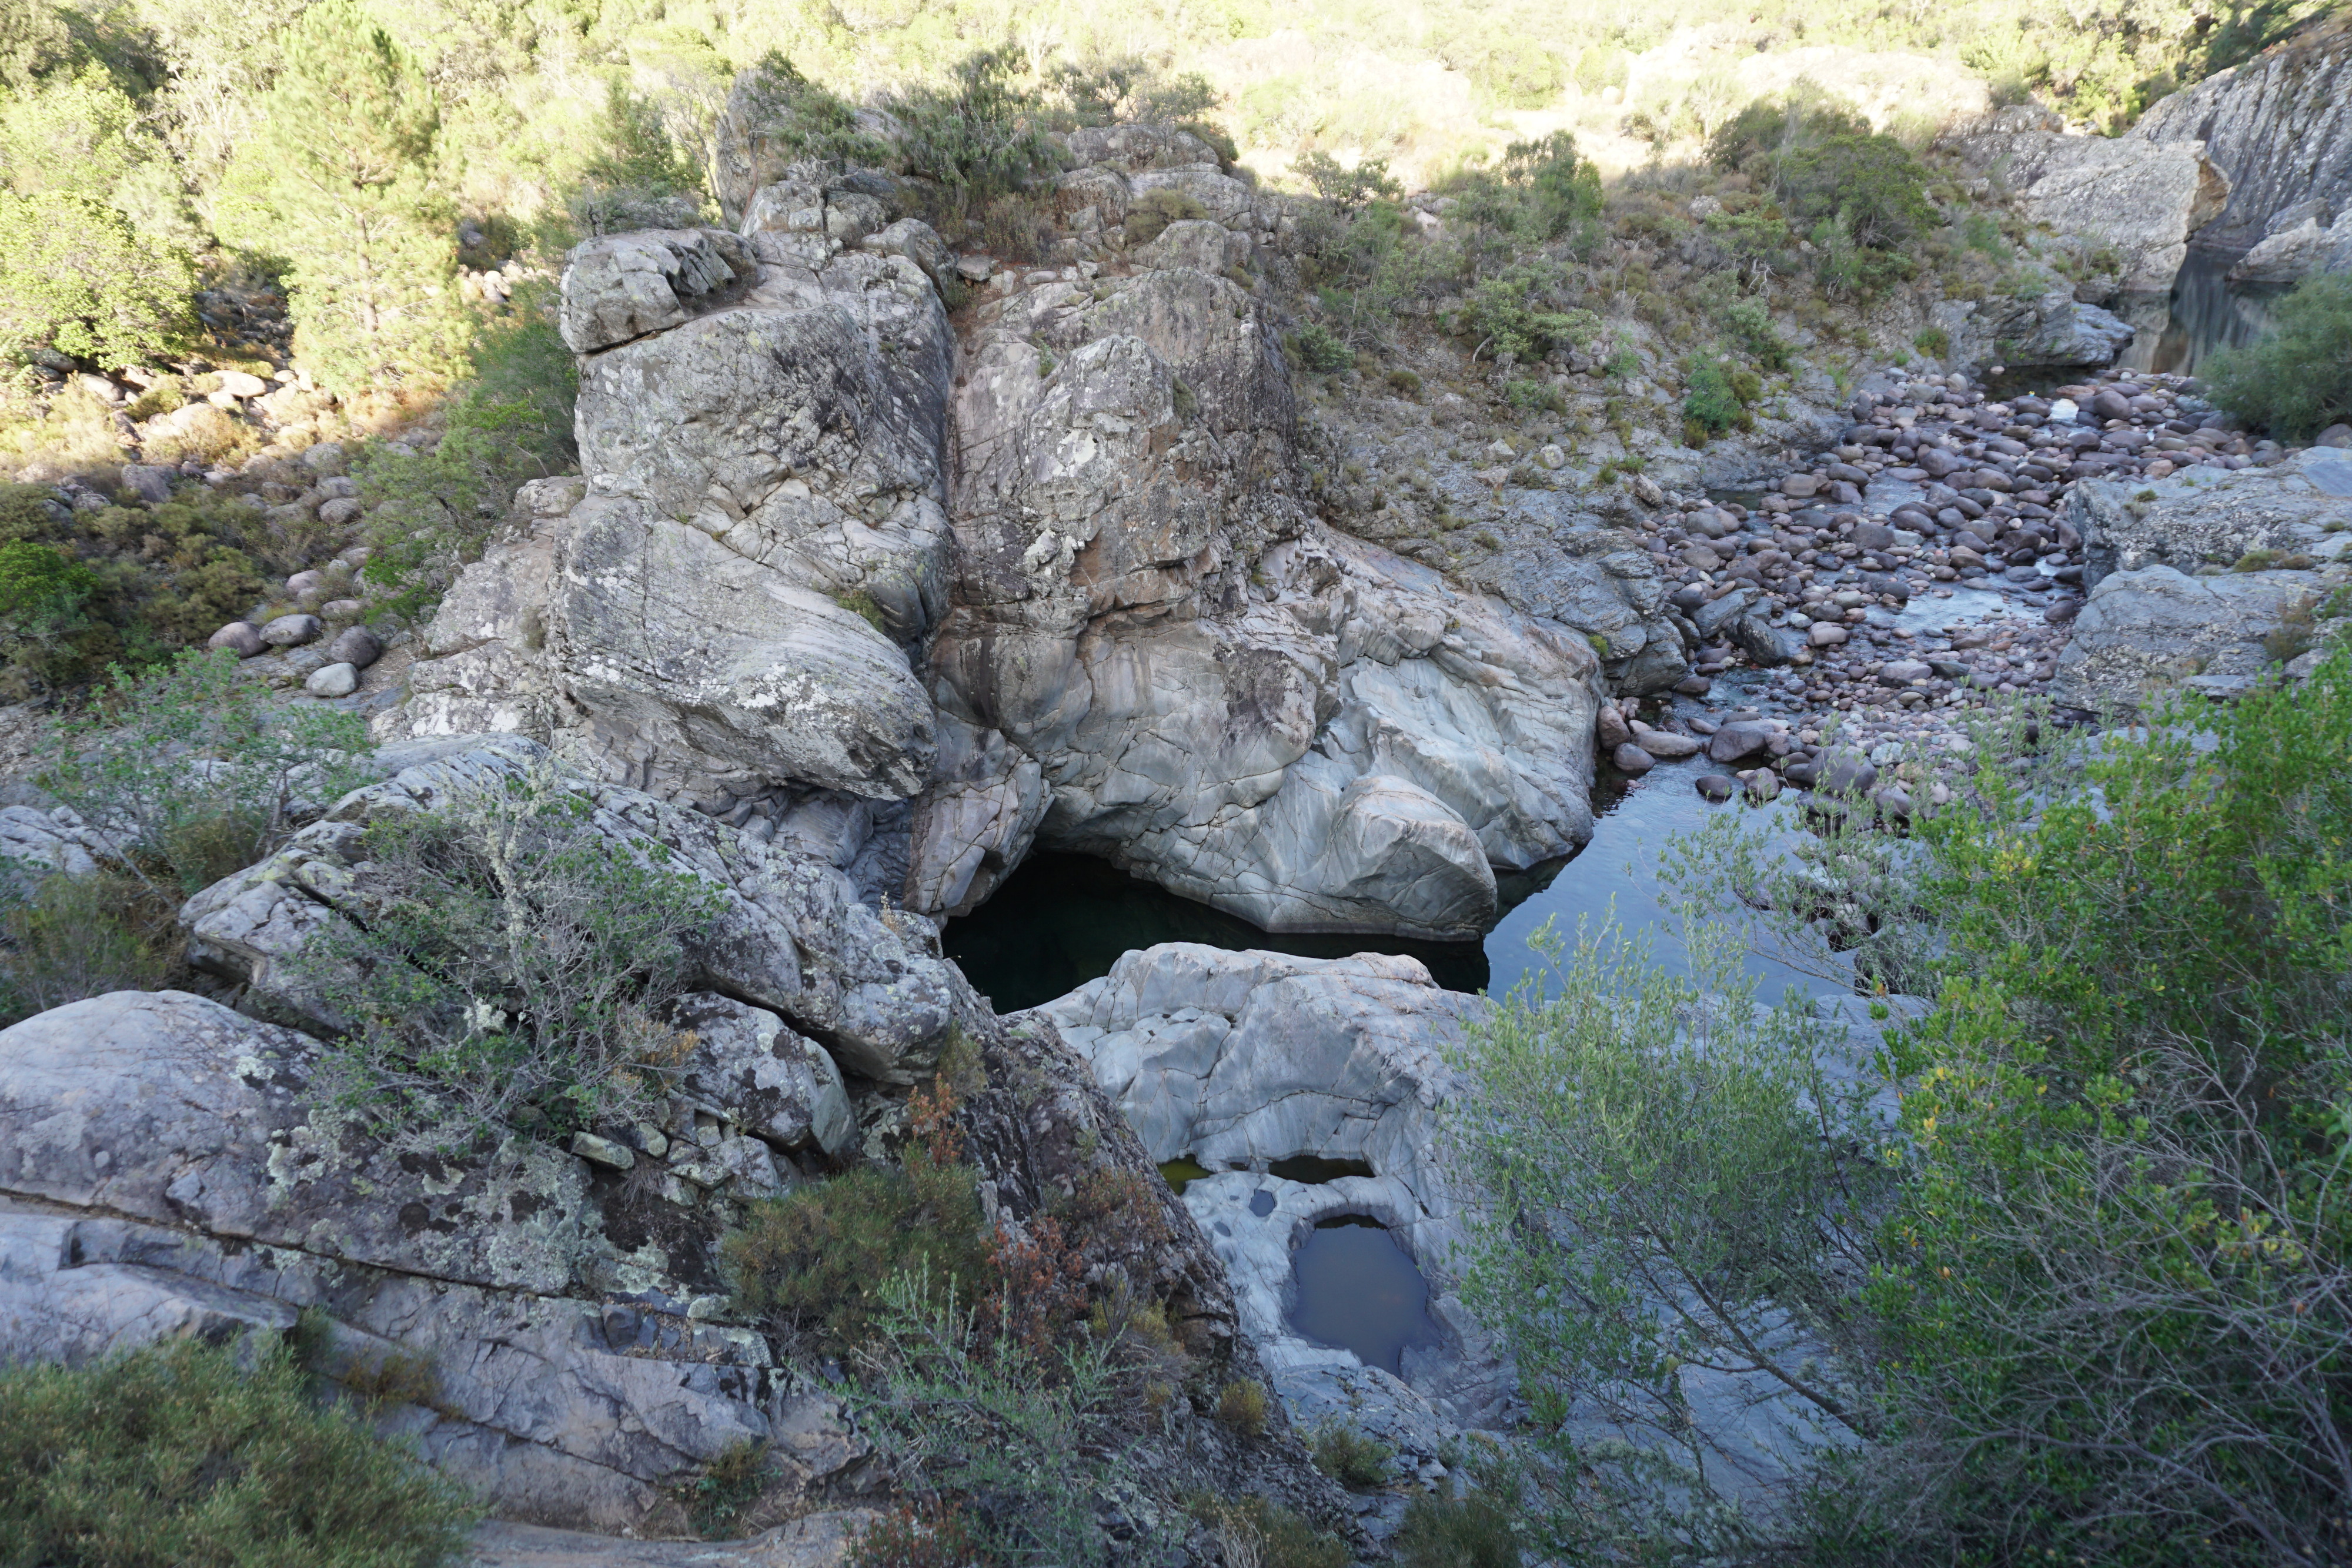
(548, 1323)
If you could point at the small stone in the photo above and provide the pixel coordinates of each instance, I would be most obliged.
(332, 681)
(237, 384)
(356, 645)
(1609, 729)
(1738, 742)
(1801, 486)
(325, 458)
(602, 1150)
(1903, 672)
(1763, 785)
(1717, 786)
(1664, 744)
(304, 583)
(1847, 775)
(239, 637)
(290, 631)
(1631, 759)
(975, 268)
(341, 609)
(1826, 634)
(2335, 435)
(149, 483)
(340, 510)
(1550, 456)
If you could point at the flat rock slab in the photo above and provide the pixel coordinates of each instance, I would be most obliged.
(813, 1541)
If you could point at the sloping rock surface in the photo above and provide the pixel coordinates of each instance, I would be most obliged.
(2204, 517)
(2279, 126)
(2146, 198)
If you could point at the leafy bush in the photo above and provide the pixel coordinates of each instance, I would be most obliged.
(1709, 403)
(1350, 1457)
(1347, 188)
(638, 177)
(173, 1457)
(1471, 1532)
(1752, 327)
(1314, 348)
(1683, 1187)
(514, 969)
(2296, 380)
(965, 1412)
(76, 279)
(190, 772)
(1251, 1529)
(1242, 1404)
(973, 137)
(65, 938)
(818, 1259)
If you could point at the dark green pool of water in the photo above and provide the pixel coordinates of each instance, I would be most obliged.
(1357, 1291)
(1061, 920)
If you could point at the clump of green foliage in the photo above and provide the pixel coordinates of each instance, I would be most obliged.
(1473, 1531)
(342, 178)
(1349, 1458)
(817, 1259)
(189, 772)
(431, 513)
(2296, 380)
(1315, 347)
(1253, 1529)
(1860, 197)
(514, 968)
(973, 137)
(2085, 1296)
(173, 1456)
(1155, 210)
(78, 280)
(1710, 403)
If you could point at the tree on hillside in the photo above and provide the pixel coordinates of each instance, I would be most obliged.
(76, 278)
(342, 179)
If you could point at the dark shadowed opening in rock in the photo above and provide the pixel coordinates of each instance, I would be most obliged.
(1313, 1170)
(1358, 1291)
(1062, 919)
(1181, 1172)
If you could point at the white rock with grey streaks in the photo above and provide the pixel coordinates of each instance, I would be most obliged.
(1239, 1059)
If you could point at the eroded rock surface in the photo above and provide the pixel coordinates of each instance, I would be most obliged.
(2145, 198)
(1133, 639)
(1237, 1061)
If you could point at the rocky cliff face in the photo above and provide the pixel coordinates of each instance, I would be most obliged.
(2280, 125)
(549, 1323)
(2145, 199)
(925, 602)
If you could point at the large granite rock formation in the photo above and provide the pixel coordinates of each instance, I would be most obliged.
(548, 1323)
(2145, 198)
(2280, 128)
(2168, 611)
(1133, 639)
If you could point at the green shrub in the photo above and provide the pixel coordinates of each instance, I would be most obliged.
(1252, 1528)
(975, 136)
(728, 1485)
(1347, 188)
(1471, 1532)
(1708, 401)
(1315, 348)
(1932, 342)
(1242, 1404)
(2296, 380)
(818, 1259)
(76, 278)
(1751, 326)
(431, 513)
(1155, 210)
(1031, 1433)
(65, 938)
(192, 773)
(1350, 1457)
(173, 1457)
(515, 969)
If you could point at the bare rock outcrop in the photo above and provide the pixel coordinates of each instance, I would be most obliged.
(2279, 127)
(833, 575)
(2145, 198)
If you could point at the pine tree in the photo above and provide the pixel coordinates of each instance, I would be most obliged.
(342, 179)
